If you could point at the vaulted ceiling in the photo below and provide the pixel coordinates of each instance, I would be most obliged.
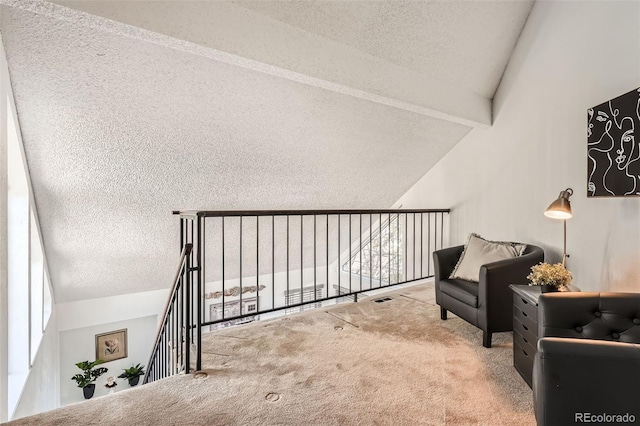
(132, 109)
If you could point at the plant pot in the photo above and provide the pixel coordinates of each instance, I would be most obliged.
(89, 390)
(134, 381)
(548, 288)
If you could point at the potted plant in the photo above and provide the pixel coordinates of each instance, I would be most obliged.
(550, 277)
(132, 374)
(89, 375)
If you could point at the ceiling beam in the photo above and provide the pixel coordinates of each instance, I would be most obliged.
(228, 33)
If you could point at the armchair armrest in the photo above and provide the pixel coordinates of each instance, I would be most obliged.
(496, 277)
(495, 300)
(570, 377)
(445, 260)
(509, 271)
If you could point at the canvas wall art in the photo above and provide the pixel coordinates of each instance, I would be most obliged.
(613, 154)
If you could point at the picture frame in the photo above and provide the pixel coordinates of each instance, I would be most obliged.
(112, 345)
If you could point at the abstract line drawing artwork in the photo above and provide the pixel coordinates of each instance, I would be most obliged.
(613, 153)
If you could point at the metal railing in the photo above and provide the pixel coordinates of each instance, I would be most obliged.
(259, 263)
(175, 322)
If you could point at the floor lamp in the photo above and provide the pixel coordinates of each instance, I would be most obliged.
(561, 209)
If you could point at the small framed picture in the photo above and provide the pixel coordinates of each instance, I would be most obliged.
(112, 345)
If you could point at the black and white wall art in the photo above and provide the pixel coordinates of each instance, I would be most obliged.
(613, 153)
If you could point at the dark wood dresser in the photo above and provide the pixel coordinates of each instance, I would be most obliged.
(525, 328)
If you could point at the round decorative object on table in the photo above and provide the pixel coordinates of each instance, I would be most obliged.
(548, 288)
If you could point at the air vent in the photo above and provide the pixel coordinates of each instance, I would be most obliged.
(385, 299)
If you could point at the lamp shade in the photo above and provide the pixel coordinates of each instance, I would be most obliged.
(561, 207)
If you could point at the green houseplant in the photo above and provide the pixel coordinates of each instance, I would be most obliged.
(132, 374)
(550, 277)
(89, 375)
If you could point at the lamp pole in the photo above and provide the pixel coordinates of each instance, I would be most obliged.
(565, 255)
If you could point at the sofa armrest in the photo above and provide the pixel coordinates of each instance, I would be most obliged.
(576, 378)
(445, 260)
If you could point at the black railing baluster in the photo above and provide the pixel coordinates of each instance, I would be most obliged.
(327, 265)
(380, 250)
(360, 250)
(414, 246)
(339, 255)
(288, 298)
(441, 230)
(315, 284)
(389, 248)
(223, 276)
(397, 248)
(406, 243)
(421, 245)
(187, 357)
(199, 299)
(370, 251)
(258, 262)
(273, 261)
(240, 265)
(301, 258)
(429, 244)
(350, 255)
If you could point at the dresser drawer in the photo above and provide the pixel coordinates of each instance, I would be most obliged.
(525, 341)
(525, 331)
(523, 361)
(528, 308)
(529, 322)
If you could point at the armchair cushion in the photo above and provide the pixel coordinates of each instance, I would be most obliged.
(478, 252)
(464, 291)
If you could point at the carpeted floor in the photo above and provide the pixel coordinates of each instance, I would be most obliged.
(365, 363)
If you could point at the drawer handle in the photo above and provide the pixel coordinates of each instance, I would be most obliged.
(525, 352)
(524, 301)
(525, 327)
(525, 314)
(525, 340)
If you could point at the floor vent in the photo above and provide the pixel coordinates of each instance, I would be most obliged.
(385, 299)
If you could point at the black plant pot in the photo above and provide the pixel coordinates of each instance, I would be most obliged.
(89, 390)
(134, 381)
(548, 288)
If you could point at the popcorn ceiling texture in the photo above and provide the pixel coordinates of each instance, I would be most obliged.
(119, 131)
(464, 43)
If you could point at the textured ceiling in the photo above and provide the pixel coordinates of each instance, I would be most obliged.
(118, 132)
(464, 43)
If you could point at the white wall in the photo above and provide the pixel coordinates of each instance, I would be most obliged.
(79, 345)
(571, 56)
(4, 308)
(42, 391)
(105, 310)
(79, 322)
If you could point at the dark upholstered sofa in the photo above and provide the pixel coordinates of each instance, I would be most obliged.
(588, 361)
(487, 304)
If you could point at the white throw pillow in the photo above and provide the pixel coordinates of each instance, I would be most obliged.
(478, 252)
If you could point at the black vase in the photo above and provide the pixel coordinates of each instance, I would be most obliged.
(89, 390)
(548, 288)
(134, 381)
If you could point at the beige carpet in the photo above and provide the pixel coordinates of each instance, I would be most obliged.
(362, 363)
